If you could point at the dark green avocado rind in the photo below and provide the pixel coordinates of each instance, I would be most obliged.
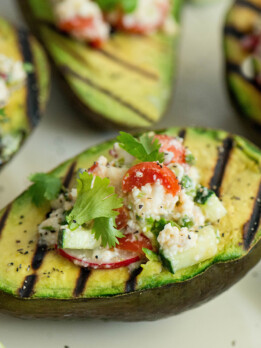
(244, 91)
(27, 104)
(126, 84)
(54, 287)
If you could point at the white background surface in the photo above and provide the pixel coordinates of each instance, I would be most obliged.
(231, 320)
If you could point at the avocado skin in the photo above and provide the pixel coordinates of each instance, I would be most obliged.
(167, 300)
(132, 301)
(27, 111)
(136, 115)
(244, 93)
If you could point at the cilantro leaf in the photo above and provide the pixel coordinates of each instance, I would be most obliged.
(110, 5)
(145, 149)
(3, 116)
(46, 187)
(28, 67)
(104, 228)
(95, 199)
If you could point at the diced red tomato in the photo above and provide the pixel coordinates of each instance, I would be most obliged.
(93, 168)
(170, 144)
(80, 24)
(122, 218)
(76, 23)
(250, 42)
(129, 243)
(148, 173)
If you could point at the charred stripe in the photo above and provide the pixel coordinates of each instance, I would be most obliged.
(4, 217)
(249, 4)
(81, 282)
(182, 133)
(128, 65)
(251, 226)
(223, 157)
(234, 68)
(28, 285)
(39, 256)
(33, 111)
(234, 32)
(69, 175)
(131, 282)
(105, 91)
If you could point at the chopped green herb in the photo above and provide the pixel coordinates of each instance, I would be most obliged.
(28, 67)
(145, 149)
(203, 194)
(97, 201)
(186, 182)
(189, 158)
(158, 226)
(109, 5)
(186, 222)
(151, 256)
(46, 187)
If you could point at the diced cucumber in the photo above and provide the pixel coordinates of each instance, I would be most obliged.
(213, 209)
(78, 239)
(210, 204)
(205, 248)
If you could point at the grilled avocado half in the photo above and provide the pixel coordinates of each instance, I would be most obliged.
(241, 70)
(126, 84)
(36, 282)
(27, 103)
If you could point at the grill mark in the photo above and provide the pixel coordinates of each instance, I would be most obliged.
(32, 102)
(128, 65)
(251, 226)
(81, 281)
(182, 133)
(131, 282)
(235, 68)
(89, 82)
(248, 4)
(223, 157)
(38, 257)
(230, 30)
(4, 217)
(105, 53)
(28, 285)
(69, 175)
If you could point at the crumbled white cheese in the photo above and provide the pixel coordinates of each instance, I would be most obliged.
(105, 170)
(49, 228)
(175, 240)
(67, 10)
(149, 15)
(152, 200)
(4, 92)
(118, 153)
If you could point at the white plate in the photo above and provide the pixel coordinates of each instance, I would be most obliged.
(234, 318)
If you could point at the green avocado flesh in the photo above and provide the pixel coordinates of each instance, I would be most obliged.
(126, 84)
(244, 90)
(27, 103)
(35, 282)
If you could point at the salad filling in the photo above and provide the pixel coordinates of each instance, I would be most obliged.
(93, 20)
(144, 198)
(12, 76)
(252, 44)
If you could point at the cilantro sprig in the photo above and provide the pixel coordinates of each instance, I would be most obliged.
(3, 116)
(126, 5)
(96, 201)
(46, 187)
(145, 149)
